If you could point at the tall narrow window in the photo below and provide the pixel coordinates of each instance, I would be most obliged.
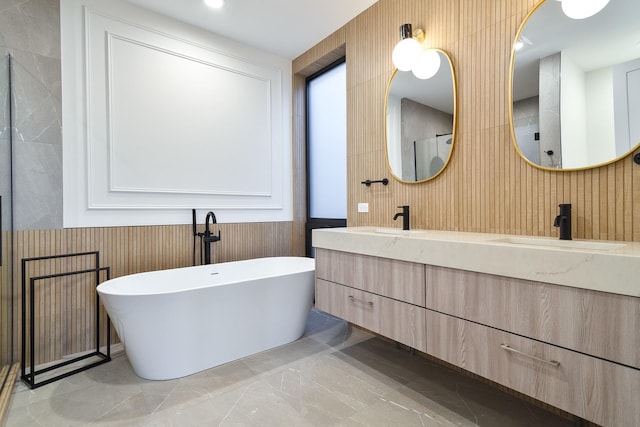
(326, 149)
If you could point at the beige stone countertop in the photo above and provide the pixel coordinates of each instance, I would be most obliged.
(598, 265)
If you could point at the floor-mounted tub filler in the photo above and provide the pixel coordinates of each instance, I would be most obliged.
(178, 322)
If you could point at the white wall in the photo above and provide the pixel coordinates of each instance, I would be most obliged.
(394, 134)
(160, 117)
(626, 98)
(600, 124)
(573, 113)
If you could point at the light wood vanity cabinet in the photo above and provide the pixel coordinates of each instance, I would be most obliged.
(400, 280)
(382, 295)
(596, 323)
(597, 390)
(572, 348)
(576, 349)
(394, 319)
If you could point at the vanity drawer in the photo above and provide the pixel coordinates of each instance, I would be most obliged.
(599, 391)
(396, 320)
(395, 279)
(597, 323)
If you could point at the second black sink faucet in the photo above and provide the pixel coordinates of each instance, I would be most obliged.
(405, 216)
(564, 221)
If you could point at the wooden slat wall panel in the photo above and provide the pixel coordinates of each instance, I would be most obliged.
(65, 308)
(299, 165)
(487, 187)
(324, 53)
(6, 392)
(5, 302)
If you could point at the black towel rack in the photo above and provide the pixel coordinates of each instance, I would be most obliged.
(368, 182)
(28, 328)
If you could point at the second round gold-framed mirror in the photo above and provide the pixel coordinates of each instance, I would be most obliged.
(575, 86)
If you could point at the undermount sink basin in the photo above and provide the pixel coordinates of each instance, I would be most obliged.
(383, 230)
(400, 232)
(391, 231)
(566, 244)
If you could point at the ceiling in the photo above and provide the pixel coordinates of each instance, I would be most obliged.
(286, 28)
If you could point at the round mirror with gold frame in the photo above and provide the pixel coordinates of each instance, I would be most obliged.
(420, 122)
(575, 86)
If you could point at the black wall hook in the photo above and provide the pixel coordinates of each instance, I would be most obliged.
(636, 158)
(368, 182)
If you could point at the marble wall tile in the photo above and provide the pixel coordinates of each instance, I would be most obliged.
(30, 32)
(36, 115)
(31, 26)
(4, 93)
(5, 145)
(5, 182)
(526, 124)
(37, 175)
(549, 104)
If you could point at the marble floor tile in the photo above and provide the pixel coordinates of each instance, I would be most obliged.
(335, 375)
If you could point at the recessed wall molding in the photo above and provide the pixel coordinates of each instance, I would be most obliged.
(170, 120)
(129, 62)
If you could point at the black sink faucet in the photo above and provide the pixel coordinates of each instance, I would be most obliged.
(564, 221)
(405, 216)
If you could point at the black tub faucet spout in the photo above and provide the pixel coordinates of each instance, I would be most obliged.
(208, 237)
(212, 216)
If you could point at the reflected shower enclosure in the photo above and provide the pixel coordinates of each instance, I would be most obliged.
(430, 155)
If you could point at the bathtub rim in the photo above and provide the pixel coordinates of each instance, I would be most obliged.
(110, 287)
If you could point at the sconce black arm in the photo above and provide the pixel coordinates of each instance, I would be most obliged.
(368, 182)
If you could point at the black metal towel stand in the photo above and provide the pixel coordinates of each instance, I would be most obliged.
(29, 377)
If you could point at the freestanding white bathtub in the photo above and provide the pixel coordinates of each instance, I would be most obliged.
(178, 322)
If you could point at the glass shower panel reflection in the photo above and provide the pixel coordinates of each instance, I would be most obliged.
(430, 155)
(5, 214)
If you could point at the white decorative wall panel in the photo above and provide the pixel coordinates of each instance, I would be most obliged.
(192, 107)
(160, 118)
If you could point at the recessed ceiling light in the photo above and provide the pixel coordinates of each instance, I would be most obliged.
(214, 4)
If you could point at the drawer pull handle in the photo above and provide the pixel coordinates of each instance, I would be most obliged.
(513, 350)
(354, 299)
